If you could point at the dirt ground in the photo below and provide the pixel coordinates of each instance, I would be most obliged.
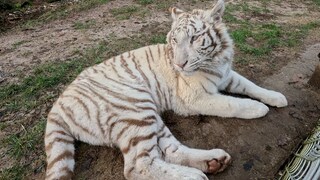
(259, 147)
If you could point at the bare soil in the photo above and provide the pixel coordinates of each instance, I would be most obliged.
(259, 147)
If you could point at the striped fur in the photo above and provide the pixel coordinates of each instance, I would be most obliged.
(117, 102)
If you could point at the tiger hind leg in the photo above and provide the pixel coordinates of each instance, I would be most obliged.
(59, 149)
(208, 161)
(142, 156)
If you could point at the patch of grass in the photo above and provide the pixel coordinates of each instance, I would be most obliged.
(122, 45)
(240, 35)
(229, 18)
(24, 143)
(242, 60)
(26, 54)
(15, 172)
(63, 11)
(256, 41)
(269, 31)
(25, 148)
(317, 2)
(124, 12)
(253, 10)
(3, 126)
(145, 2)
(29, 93)
(84, 25)
(243, 8)
(19, 43)
(265, 37)
(163, 5)
(259, 10)
(271, 35)
(294, 35)
(159, 39)
(88, 4)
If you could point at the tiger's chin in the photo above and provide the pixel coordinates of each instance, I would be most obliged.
(187, 73)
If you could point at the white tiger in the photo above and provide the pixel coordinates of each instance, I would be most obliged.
(117, 102)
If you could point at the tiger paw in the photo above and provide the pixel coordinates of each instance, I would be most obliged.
(250, 109)
(276, 99)
(218, 164)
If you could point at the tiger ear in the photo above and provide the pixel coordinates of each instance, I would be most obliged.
(175, 12)
(215, 14)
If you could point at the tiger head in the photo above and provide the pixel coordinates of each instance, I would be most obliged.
(198, 40)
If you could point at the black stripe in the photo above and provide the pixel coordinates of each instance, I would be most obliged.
(69, 113)
(107, 101)
(205, 89)
(229, 85)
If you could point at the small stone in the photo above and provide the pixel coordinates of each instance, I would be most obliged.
(248, 165)
(315, 78)
(250, 40)
(268, 148)
(283, 141)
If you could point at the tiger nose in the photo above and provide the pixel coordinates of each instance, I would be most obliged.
(182, 65)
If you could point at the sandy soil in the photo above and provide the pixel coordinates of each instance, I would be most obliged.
(259, 147)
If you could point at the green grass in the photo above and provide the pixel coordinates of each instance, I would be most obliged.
(158, 39)
(294, 35)
(15, 172)
(256, 40)
(29, 93)
(3, 126)
(19, 43)
(145, 2)
(247, 9)
(229, 18)
(164, 5)
(63, 12)
(25, 148)
(24, 143)
(240, 35)
(317, 2)
(84, 25)
(124, 12)
(267, 37)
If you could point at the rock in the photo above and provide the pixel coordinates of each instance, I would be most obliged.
(315, 78)
(247, 166)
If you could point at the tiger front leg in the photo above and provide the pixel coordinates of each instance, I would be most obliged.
(225, 106)
(236, 83)
(208, 161)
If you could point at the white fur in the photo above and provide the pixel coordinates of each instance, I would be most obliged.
(118, 101)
